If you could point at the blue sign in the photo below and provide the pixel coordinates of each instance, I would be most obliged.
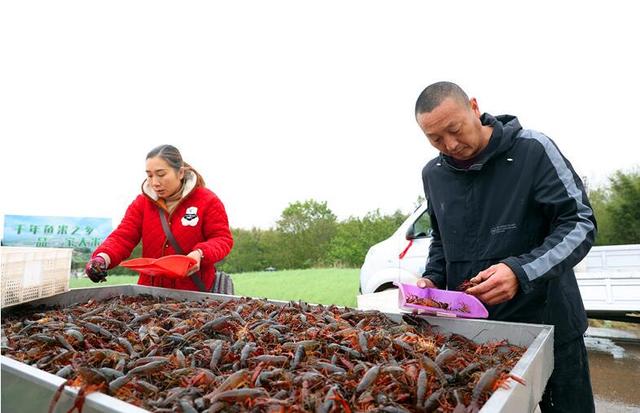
(55, 232)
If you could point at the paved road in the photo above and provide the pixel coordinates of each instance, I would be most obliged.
(615, 374)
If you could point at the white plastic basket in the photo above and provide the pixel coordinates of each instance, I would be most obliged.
(30, 273)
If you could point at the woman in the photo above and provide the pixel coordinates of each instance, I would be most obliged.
(194, 214)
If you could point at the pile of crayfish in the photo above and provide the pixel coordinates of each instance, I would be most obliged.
(427, 302)
(430, 302)
(254, 355)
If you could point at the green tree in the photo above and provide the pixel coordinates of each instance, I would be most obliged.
(247, 253)
(275, 250)
(599, 199)
(355, 236)
(253, 250)
(306, 229)
(624, 207)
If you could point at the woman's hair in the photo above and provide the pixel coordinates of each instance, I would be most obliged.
(172, 156)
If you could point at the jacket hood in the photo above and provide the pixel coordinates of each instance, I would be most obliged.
(505, 130)
(510, 129)
(189, 185)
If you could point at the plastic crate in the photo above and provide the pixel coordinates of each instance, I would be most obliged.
(31, 273)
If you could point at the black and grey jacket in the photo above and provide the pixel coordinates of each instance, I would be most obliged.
(521, 204)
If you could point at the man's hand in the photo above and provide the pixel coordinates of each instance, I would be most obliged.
(496, 284)
(425, 283)
(196, 255)
(96, 269)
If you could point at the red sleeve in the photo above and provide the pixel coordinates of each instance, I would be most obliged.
(122, 240)
(216, 231)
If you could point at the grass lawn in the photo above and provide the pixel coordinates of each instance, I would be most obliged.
(318, 286)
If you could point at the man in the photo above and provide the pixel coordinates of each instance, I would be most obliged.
(509, 213)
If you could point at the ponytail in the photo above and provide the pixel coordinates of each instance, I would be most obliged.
(199, 178)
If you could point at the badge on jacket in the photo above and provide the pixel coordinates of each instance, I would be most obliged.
(190, 218)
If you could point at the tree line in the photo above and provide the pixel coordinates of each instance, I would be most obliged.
(307, 235)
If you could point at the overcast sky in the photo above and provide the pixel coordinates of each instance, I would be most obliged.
(276, 101)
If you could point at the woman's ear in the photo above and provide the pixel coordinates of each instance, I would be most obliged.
(181, 173)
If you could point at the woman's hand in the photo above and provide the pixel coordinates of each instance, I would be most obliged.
(96, 269)
(196, 255)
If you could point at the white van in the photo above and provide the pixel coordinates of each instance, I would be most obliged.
(608, 277)
(399, 258)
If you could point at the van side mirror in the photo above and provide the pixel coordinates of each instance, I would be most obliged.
(410, 233)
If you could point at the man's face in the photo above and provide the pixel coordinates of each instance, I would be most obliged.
(455, 129)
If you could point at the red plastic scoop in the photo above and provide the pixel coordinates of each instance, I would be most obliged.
(441, 302)
(173, 266)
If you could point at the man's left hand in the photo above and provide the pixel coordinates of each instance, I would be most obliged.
(496, 284)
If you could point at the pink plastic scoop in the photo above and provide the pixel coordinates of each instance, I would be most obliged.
(458, 304)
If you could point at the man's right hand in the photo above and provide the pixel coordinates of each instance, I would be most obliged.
(425, 283)
(96, 269)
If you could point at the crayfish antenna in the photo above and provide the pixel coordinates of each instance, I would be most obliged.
(82, 395)
(57, 394)
(519, 379)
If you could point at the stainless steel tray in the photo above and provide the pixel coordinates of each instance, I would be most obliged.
(27, 389)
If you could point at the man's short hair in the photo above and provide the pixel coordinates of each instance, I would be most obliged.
(434, 94)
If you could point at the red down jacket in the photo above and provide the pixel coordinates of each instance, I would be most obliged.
(208, 231)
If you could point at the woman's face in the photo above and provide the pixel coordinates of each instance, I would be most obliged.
(162, 178)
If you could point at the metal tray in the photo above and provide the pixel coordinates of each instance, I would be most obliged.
(27, 389)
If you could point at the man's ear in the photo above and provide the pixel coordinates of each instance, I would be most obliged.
(473, 103)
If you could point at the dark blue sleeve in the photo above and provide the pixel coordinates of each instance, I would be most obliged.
(560, 194)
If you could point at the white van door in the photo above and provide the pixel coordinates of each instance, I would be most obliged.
(413, 258)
